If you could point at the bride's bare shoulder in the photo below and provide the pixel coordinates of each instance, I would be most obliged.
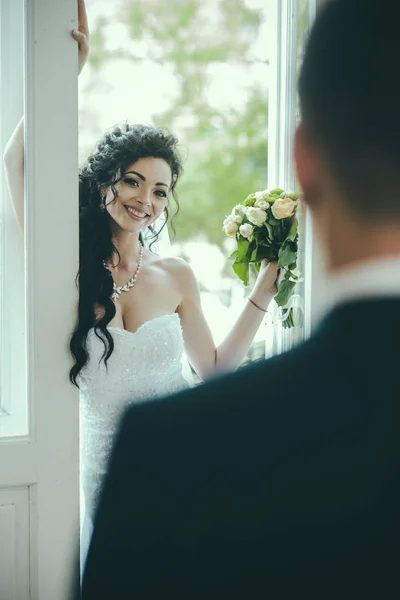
(171, 264)
(177, 268)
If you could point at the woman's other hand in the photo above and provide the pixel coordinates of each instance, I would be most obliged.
(267, 280)
(82, 35)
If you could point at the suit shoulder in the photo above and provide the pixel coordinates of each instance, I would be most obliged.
(283, 378)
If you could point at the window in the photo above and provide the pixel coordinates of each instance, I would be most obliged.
(13, 398)
(292, 22)
(201, 70)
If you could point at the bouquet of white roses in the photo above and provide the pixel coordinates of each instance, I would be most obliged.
(265, 227)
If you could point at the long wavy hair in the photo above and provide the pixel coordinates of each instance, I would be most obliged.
(106, 166)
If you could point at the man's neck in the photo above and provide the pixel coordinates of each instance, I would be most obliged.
(349, 242)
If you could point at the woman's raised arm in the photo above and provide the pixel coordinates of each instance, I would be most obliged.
(14, 151)
(14, 168)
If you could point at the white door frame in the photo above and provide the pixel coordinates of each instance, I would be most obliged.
(39, 474)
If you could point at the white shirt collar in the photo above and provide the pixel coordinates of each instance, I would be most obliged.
(379, 278)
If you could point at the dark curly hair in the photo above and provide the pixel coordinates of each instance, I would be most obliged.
(106, 166)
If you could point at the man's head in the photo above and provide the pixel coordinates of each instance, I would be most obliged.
(348, 145)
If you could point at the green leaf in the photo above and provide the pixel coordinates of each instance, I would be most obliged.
(287, 254)
(234, 254)
(285, 290)
(252, 253)
(272, 221)
(243, 247)
(290, 321)
(280, 232)
(270, 230)
(293, 230)
(276, 192)
(265, 252)
(263, 241)
(242, 271)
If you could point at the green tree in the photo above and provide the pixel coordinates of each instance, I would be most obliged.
(226, 150)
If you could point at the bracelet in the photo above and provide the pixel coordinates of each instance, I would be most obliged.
(256, 305)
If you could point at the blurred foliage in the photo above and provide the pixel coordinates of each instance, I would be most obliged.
(225, 151)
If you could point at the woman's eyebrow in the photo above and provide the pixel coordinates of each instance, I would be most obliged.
(143, 178)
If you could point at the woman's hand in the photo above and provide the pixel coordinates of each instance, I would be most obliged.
(267, 280)
(82, 36)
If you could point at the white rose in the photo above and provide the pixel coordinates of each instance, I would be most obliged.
(257, 216)
(261, 204)
(261, 195)
(239, 209)
(238, 213)
(230, 227)
(246, 230)
(283, 208)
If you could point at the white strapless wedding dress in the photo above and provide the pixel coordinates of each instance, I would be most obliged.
(145, 364)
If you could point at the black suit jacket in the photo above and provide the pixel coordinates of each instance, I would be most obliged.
(279, 481)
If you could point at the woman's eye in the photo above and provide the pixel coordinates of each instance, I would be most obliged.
(133, 182)
(161, 193)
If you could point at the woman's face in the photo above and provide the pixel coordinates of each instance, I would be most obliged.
(142, 194)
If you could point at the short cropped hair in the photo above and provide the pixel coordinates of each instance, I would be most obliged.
(349, 89)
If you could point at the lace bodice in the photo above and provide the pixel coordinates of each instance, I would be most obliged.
(144, 364)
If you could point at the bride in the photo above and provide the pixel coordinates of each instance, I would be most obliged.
(137, 311)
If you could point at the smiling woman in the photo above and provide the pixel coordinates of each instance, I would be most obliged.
(123, 190)
(146, 203)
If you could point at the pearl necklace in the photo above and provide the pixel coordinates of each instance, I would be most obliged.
(130, 284)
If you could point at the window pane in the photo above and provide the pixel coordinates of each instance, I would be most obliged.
(13, 398)
(200, 69)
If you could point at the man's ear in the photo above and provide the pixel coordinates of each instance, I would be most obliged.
(305, 156)
(301, 157)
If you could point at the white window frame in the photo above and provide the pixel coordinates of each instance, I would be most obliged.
(282, 120)
(281, 165)
(316, 279)
(13, 371)
(39, 471)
